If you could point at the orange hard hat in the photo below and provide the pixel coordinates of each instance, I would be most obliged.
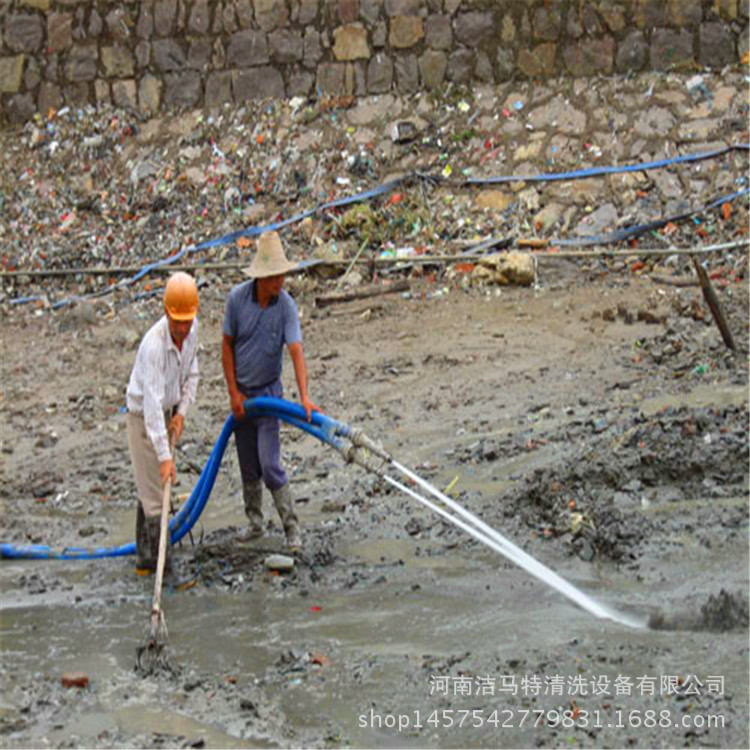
(181, 296)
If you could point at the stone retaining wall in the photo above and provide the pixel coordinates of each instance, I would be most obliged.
(155, 54)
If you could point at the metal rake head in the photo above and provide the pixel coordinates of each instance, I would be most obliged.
(152, 659)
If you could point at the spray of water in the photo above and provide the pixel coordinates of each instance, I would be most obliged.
(496, 541)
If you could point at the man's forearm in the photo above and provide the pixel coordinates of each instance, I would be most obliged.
(300, 369)
(227, 362)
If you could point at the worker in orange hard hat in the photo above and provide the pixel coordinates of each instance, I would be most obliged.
(162, 386)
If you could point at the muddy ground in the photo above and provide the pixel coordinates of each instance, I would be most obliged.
(610, 444)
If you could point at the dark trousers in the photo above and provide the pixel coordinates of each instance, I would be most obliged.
(259, 451)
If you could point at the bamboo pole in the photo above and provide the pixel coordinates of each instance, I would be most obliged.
(414, 260)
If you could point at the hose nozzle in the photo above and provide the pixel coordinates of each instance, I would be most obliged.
(361, 440)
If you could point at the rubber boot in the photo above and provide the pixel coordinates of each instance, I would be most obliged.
(284, 501)
(171, 574)
(145, 561)
(252, 493)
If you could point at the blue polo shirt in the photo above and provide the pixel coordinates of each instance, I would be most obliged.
(259, 336)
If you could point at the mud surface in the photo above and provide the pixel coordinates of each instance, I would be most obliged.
(626, 475)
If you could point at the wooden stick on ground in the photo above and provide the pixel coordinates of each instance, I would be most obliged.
(369, 291)
(713, 304)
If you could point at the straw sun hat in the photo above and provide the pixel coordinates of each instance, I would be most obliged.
(269, 259)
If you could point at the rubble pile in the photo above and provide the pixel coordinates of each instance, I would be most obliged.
(105, 192)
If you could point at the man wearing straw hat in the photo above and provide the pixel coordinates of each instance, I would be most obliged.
(260, 318)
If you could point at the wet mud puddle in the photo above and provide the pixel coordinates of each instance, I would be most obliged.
(270, 664)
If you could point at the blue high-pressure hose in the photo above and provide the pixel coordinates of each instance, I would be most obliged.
(324, 428)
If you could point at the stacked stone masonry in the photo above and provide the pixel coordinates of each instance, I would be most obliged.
(150, 55)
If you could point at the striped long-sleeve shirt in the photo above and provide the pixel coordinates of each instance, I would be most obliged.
(163, 377)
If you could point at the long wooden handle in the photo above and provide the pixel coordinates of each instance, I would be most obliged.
(161, 560)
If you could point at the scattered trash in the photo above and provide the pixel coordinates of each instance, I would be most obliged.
(74, 679)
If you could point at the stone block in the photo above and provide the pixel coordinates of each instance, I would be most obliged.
(370, 10)
(198, 22)
(312, 51)
(547, 23)
(24, 33)
(356, 80)
(350, 42)
(505, 63)
(473, 28)
(648, 14)
(218, 89)
(21, 108)
(182, 89)
(244, 12)
(613, 13)
(117, 61)
(348, 11)
(405, 31)
(50, 97)
(59, 32)
(124, 94)
(246, 48)
(632, 53)
(80, 64)
(168, 55)
(102, 93)
(379, 74)
(199, 54)
(379, 35)
(11, 74)
(286, 46)
(300, 83)
(671, 49)
(726, 9)
(403, 7)
(95, 24)
(331, 79)
(118, 24)
(460, 66)
(257, 83)
(149, 95)
(143, 54)
(716, 44)
(308, 12)
(35, 4)
(77, 94)
(165, 16)
(539, 61)
(508, 30)
(433, 65)
(144, 28)
(438, 32)
(271, 14)
(407, 74)
(483, 67)
(590, 57)
(684, 13)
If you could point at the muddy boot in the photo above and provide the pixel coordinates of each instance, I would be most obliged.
(252, 493)
(145, 561)
(285, 505)
(172, 574)
(154, 529)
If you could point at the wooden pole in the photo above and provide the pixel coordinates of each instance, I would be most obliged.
(370, 291)
(157, 615)
(713, 304)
